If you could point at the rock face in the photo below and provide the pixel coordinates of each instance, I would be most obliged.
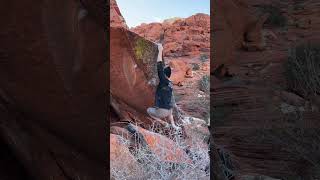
(116, 19)
(248, 106)
(122, 162)
(133, 69)
(234, 27)
(49, 76)
(133, 72)
(180, 37)
(179, 69)
(164, 148)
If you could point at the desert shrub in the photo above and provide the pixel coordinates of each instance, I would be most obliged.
(204, 83)
(303, 69)
(154, 167)
(195, 66)
(205, 104)
(204, 57)
(299, 140)
(276, 18)
(302, 144)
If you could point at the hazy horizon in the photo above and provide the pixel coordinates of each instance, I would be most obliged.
(147, 11)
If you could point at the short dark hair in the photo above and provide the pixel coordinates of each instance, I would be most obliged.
(167, 71)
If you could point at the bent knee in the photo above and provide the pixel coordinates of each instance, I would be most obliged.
(151, 111)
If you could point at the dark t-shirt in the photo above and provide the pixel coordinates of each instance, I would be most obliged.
(164, 93)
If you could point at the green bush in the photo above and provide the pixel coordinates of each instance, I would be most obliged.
(195, 66)
(303, 69)
(204, 57)
(204, 83)
(276, 17)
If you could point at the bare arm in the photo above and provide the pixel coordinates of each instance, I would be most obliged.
(160, 49)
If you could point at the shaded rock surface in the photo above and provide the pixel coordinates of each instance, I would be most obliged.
(249, 105)
(51, 87)
(234, 27)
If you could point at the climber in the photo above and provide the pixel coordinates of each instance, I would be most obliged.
(164, 99)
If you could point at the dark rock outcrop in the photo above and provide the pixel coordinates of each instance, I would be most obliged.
(52, 95)
(251, 107)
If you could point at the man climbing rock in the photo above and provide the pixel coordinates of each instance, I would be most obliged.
(164, 99)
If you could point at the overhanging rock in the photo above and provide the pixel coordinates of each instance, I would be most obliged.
(133, 71)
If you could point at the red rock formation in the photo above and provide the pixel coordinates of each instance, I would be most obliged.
(180, 36)
(249, 108)
(163, 147)
(133, 75)
(116, 19)
(132, 69)
(121, 159)
(186, 44)
(179, 69)
(234, 27)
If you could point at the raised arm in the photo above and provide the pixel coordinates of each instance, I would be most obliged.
(160, 65)
(160, 49)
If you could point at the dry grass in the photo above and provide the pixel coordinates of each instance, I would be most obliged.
(204, 83)
(153, 167)
(303, 69)
(300, 141)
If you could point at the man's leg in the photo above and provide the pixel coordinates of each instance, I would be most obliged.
(170, 117)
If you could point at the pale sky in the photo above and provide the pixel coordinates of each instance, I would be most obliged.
(136, 12)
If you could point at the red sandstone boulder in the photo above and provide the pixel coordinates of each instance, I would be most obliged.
(121, 132)
(133, 74)
(122, 162)
(132, 68)
(116, 19)
(150, 31)
(166, 149)
(179, 69)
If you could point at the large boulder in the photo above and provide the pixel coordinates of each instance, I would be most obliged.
(122, 162)
(133, 73)
(161, 146)
(52, 90)
(132, 69)
(116, 18)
